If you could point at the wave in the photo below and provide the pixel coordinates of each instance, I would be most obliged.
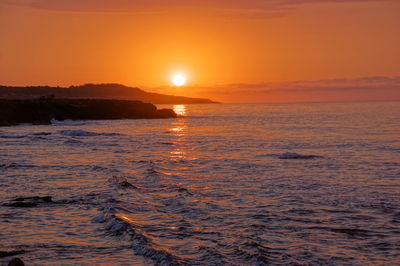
(74, 142)
(119, 225)
(41, 134)
(6, 165)
(55, 122)
(12, 137)
(78, 133)
(168, 143)
(291, 156)
(121, 182)
(83, 133)
(34, 135)
(12, 165)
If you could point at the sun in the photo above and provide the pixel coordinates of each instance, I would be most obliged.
(179, 80)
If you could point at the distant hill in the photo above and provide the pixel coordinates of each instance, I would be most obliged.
(96, 91)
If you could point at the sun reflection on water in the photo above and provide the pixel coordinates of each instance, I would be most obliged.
(180, 109)
(179, 130)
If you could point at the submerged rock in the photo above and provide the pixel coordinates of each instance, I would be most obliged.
(184, 191)
(36, 198)
(351, 231)
(27, 202)
(16, 262)
(4, 254)
(42, 111)
(290, 155)
(21, 204)
(122, 182)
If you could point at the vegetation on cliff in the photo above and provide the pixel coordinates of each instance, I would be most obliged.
(96, 91)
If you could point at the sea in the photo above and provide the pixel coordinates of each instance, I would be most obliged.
(222, 184)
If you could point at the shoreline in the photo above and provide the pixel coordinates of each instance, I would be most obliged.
(43, 110)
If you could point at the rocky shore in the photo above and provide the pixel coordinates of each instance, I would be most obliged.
(42, 111)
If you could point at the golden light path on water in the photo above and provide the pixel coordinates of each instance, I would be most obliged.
(179, 129)
(180, 109)
(243, 184)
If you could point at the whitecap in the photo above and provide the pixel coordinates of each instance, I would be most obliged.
(78, 133)
(142, 244)
(55, 122)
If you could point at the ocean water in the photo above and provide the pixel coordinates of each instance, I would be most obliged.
(223, 184)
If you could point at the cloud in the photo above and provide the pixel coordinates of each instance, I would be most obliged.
(361, 89)
(239, 7)
(363, 83)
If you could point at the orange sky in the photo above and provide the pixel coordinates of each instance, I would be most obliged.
(216, 43)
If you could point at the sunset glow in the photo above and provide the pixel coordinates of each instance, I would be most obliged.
(179, 80)
(227, 51)
(199, 132)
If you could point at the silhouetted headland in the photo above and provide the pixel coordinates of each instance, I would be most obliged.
(41, 111)
(96, 91)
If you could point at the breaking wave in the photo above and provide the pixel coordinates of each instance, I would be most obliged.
(83, 133)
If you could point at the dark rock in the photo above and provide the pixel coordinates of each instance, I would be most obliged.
(47, 199)
(167, 143)
(10, 253)
(351, 231)
(184, 191)
(19, 199)
(21, 204)
(290, 155)
(126, 184)
(122, 182)
(26, 202)
(42, 134)
(36, 199)
(42, 111)
(16, 262)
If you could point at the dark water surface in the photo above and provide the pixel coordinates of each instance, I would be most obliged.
(226, 184)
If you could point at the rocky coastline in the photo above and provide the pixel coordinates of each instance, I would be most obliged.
(43, 110)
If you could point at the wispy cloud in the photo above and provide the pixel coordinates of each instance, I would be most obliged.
(364, 83)
(361, 89)
(375, 83)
